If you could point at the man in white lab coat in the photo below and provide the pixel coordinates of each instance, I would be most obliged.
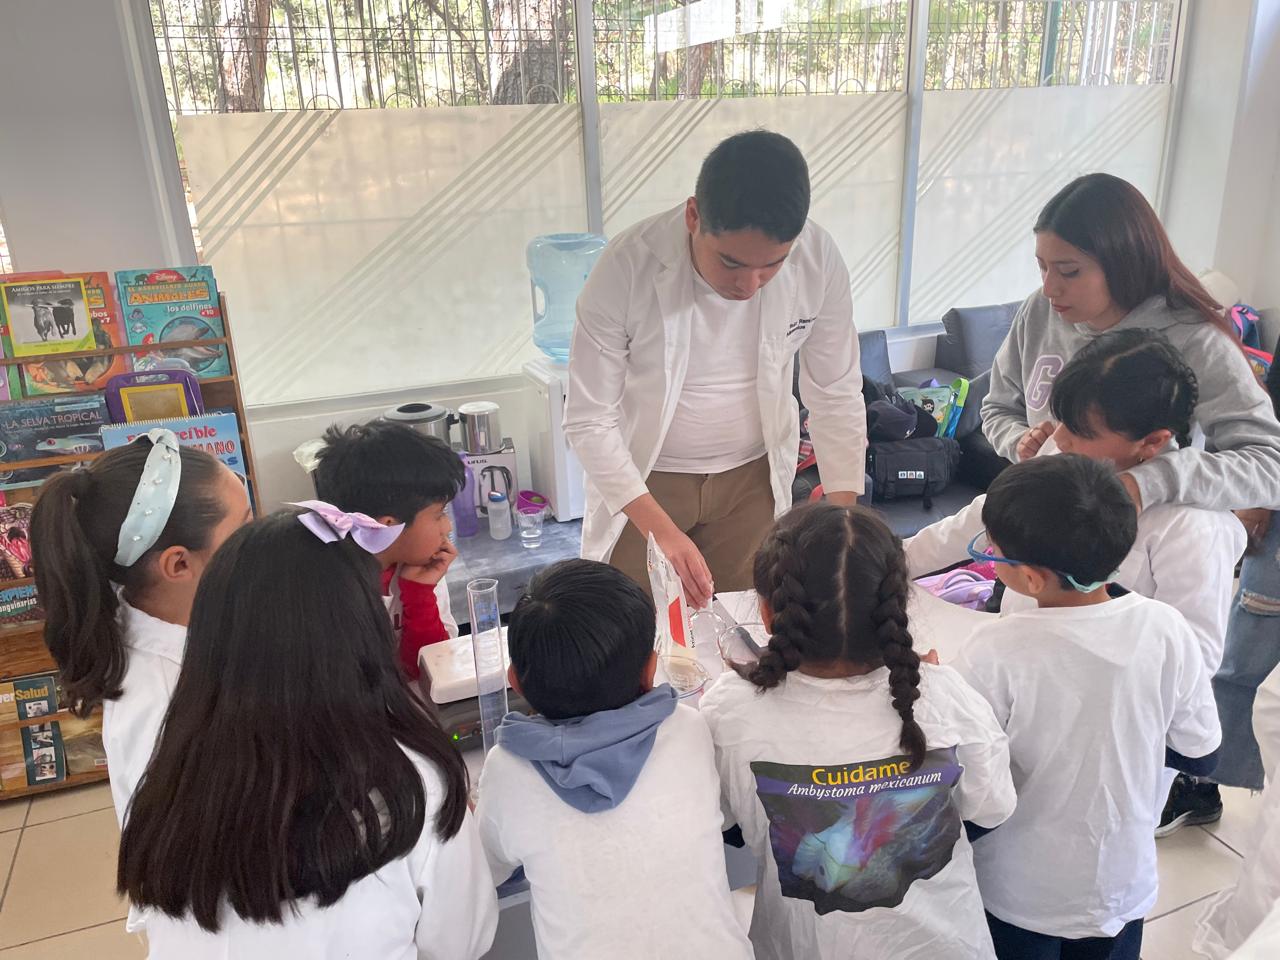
(680, 402)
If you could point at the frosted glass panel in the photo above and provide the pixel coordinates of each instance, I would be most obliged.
(381, 249)
(991, 159)
(854, 144)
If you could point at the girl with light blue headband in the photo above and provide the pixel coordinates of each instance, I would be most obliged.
(119, 548)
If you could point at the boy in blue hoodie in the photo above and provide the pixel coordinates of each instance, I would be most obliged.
(609, 796)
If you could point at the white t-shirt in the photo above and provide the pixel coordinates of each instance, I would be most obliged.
(1090, 697)
(437, 902)
(1183, 555)
(131, 723)
(717, 424)
(1250, 910)
(644, 879)
(859, 857)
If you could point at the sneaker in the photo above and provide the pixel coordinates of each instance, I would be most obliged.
(1190, 803)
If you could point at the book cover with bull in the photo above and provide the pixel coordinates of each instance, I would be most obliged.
(82, 374)
(172, 304)
(47, 316)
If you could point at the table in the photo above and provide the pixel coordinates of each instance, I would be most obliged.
(508, 562)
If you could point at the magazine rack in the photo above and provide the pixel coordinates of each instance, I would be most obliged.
(22, 649)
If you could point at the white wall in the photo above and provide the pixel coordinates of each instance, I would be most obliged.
(1221, 199)
(1213, 55)
(275, 431)
(85, 179)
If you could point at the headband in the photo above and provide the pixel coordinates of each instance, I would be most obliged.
(153, 500)
(331, 524)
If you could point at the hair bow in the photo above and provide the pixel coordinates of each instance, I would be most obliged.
(330, 524)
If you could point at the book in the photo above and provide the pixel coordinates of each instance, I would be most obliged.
(46, 315)
(215, 433)
(44, 754)
(19, 604)
(26, 698)
(179, 303)
(15, 541)
(48, 426)
(84, 373)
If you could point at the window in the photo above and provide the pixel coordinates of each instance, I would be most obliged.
(364, 174)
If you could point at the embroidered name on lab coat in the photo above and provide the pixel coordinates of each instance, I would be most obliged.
(800, 325)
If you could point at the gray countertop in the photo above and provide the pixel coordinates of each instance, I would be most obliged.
(508, 562)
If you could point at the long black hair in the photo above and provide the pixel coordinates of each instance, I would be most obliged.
(75, 527)
(280, 773)
(835, 580)
(1110, 220)
(1134, 381)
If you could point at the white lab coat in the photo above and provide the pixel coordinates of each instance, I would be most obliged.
(630, 355)
(1183, 555)
(131, 723)
(436, 902)
(1250, 910)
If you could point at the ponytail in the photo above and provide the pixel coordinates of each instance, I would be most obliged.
(75, 526)
(74, 586)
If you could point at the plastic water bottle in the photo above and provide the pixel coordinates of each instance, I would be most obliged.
(499, 516)
(465, 521)
(558, 267)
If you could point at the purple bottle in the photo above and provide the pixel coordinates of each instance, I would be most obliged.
(465, 521)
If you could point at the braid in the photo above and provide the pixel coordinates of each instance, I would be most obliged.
(1186, 397)
(792, 618)
(890, 621)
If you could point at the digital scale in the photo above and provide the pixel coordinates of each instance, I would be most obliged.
(451, 669)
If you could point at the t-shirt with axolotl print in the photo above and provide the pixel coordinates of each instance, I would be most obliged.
(861, 853)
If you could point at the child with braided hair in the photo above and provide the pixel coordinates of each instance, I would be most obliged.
(852, 767)
(1099, 689)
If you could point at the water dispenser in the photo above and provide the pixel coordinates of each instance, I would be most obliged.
(558, 267)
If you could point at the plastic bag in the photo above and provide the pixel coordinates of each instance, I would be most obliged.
(674, 636)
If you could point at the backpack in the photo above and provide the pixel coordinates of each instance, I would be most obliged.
(1245, 319)
(919, 467)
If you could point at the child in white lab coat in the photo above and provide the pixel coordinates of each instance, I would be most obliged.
(119, 548)
(1125, 398)
(1097, 694)
(301, 803)
(608, 797)
(854, 770)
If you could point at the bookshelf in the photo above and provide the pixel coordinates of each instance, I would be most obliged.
(22, 649)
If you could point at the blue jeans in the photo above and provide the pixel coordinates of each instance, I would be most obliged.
(1014, 943)
(1252, 651)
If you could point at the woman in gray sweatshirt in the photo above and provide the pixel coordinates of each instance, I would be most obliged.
(1107, 264)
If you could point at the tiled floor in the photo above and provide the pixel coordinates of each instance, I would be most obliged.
(58, 858)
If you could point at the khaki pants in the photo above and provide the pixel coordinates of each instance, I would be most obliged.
(726, 515)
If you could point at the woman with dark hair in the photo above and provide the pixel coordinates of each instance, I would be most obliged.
(300, 802)
(1107, 264)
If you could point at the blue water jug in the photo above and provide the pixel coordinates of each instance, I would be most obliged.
(558, 268)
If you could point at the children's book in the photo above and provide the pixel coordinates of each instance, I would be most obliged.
(15, 542)
(19, 604)
(48, 427)
(82, 374)
(46, 315)
(179, 303)
(215, 433)
(10, 379)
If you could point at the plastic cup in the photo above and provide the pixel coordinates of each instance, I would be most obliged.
(530, 525)
(685, 675)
